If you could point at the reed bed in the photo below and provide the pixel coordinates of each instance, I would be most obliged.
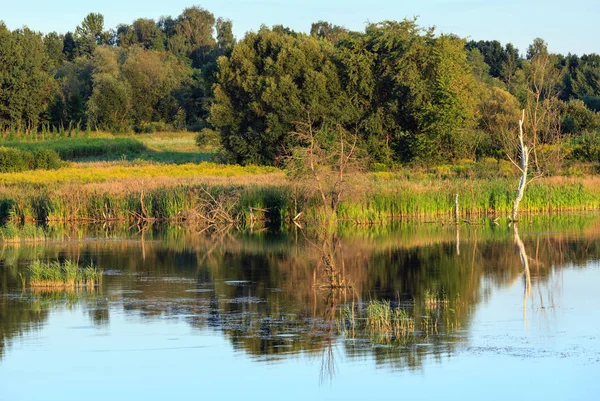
(66, 274)
(116, 191)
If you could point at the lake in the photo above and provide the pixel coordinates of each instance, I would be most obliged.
(427, 311)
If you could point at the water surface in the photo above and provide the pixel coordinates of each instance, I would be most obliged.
(249, 316)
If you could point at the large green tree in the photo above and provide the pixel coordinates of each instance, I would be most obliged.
(272, 81)
(26, 84)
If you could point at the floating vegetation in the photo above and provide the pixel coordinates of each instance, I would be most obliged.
(56, 274)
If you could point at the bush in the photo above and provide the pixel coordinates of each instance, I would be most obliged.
(46, 159)
(207, 138)
(586, 147)
(15, 160)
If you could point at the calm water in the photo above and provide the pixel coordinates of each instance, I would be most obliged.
(248, 316)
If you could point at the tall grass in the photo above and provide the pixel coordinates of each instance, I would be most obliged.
(177, 198)
(76, 148)
(65, 274)
(384, 319)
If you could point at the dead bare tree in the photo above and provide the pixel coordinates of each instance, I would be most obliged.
(323, 159)
(543, 112)
(525, 150)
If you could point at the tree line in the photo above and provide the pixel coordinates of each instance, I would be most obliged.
(406, 93)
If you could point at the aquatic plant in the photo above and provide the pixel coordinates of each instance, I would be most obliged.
(65, 274)
(384, 319)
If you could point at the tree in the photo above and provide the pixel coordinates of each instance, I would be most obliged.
(523, 167)
(267, 84)
(492, 52)
(143, 32)
(90, 34)
(322, 159)
(54, 48)
(541, 102)
(26, 85)
(510, 65)
(193, 35)
(69, 48)
(499, 113)
(153, 77)
(110, 104)
(328, 31)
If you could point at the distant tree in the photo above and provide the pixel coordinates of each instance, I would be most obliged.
(587, 79)
(110, 104)
(328, 31)
(510, 66)
(90, 33)
(225, 38)
(75, 87)
(492, 52)
(143, 32)
(26, 84)
(54, 48)
(539, 46)
(69, 47)
(499, 114)
(541, 103)
(153, 77)
(194, 35)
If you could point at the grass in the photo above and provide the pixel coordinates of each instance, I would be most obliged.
(76, 148)
(103, 171)
(384, 319)
(13, 233)
(160, 176)
(165, 147)
(66, 274)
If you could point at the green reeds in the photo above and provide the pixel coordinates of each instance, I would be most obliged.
(12, 233)
(66, 274)
(383, 319)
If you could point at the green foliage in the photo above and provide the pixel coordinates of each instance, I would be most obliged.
(272, 81)
(15, 160)
(586, 147)
(109, 107)
(26, 85)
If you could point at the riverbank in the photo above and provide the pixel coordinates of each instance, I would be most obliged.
(184, 192)
(161, 177)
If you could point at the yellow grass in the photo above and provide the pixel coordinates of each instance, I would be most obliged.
(105, 171)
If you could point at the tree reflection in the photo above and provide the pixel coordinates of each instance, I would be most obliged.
(268, 293)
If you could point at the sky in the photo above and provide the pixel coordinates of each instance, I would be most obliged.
(568, 27)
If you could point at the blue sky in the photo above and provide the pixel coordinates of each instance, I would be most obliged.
(566, 26)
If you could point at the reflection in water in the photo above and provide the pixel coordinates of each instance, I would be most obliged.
(412, 296)
(526, 271)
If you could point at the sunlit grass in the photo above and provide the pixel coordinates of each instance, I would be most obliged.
(65, 274)
(101, 172)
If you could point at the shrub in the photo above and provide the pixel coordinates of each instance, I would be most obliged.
(46, 159)
(15, 160)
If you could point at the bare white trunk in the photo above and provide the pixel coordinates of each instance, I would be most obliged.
(524, 164)
(456, 209)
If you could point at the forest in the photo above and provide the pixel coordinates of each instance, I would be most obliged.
(406, 94)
